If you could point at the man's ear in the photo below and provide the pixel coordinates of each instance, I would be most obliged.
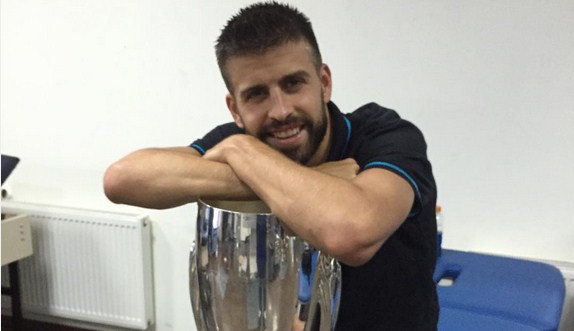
(326, 82)
(232, 106)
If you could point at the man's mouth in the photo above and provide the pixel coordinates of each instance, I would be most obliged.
(285, 134)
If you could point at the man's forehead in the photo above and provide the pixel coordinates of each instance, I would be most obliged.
(285, 54)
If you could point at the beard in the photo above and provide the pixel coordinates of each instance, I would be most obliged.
(316, 133)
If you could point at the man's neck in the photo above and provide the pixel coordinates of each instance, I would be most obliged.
(322, 152)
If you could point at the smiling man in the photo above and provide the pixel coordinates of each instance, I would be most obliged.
(357, 186)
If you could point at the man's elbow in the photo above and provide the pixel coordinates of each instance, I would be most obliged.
(114, 183)
(357, 257)
(353, 252)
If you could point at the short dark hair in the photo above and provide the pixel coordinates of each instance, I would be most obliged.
(260, 27)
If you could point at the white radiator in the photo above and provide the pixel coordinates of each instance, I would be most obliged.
(89, 266)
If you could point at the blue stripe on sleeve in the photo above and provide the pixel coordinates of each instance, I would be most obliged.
(397, 169)
(402, 172)
(199, 148)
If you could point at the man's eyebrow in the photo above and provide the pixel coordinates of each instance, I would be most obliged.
(261, 87)
(296, 74)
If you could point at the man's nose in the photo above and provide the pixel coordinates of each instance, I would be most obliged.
(281, 108)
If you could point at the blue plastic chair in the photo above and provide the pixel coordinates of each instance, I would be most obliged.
(497, 293)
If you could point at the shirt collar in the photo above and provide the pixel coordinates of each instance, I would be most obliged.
(340, 133)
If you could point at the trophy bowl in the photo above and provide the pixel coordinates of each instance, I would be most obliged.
(248, 272)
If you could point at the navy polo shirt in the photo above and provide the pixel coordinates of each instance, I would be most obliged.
(395, 289)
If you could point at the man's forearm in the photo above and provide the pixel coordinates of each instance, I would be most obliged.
(301, 196)
(165, 178)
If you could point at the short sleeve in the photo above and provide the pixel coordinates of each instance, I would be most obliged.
(214, 136)
(392, 143)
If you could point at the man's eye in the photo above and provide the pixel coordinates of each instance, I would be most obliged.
(255, 95)
(293, 84)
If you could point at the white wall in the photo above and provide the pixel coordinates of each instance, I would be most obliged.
(491, 84)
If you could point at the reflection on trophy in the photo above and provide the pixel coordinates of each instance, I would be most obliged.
(247, 272)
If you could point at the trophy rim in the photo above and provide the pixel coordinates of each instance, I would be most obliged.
(245, 207)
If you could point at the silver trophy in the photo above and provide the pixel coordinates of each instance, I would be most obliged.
(249, 272)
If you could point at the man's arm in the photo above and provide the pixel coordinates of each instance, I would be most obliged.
(169, 177)
(347, 218)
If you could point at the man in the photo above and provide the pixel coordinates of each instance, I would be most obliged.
(358, 186)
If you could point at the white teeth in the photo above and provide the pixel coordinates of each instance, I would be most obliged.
(286, 133)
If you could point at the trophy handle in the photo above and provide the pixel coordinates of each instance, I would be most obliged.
(324, 305)
(194, 290)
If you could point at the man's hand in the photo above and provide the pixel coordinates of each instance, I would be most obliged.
(345, 169)
(236, 143)
(218, 152)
